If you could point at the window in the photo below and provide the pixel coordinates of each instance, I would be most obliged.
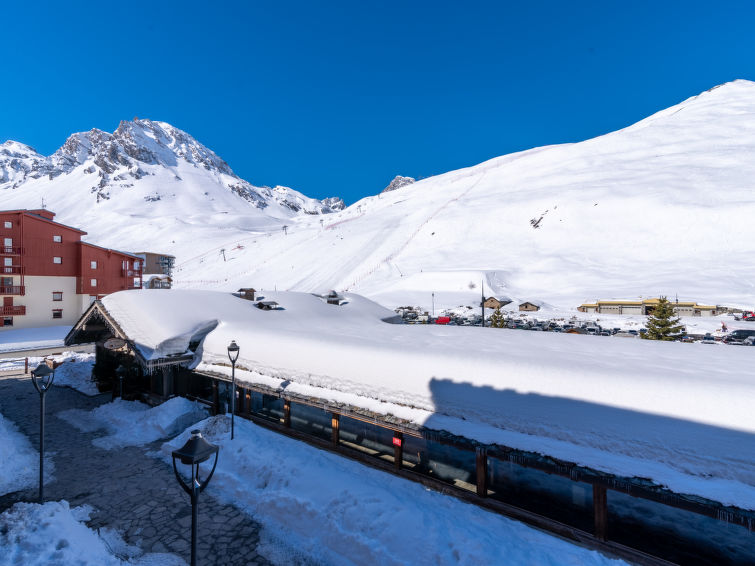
(57, 238)
(93, 282)
(136, 265)
(57, 259)
(57, 295)
(8, 261)
(8, 242)
(8, 224)
(93, 264)
(57, 313)
(8, 321)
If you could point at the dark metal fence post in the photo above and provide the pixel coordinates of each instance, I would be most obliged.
(600, 510)
(481, 461)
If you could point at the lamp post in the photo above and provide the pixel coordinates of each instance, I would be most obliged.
(194, 452)
(42, 377)
(233, 355)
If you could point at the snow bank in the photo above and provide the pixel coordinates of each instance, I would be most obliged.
(342, 513)
(75, 372)
(132, 423)
(19, 462)
(53, 533)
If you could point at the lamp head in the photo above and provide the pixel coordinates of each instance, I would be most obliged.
(233, 351)
(42, 376)
(195, 451)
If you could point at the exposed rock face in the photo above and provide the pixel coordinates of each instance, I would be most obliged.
(17, 161)
(398, 182)
(137, 149)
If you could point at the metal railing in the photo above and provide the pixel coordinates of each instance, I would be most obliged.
(13, 310)
(11, 250)
(13, 290)
(13, 269)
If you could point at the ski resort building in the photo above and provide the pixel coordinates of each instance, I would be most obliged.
(49, 276)
(646, 307)
(157, 270)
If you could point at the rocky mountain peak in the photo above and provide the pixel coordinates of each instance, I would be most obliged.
(398, 182)
(140, 148)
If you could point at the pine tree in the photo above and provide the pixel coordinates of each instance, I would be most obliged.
(663, 324)
(496, 319)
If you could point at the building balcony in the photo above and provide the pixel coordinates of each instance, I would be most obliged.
(131, 272)
(4, 250)
(12, 269)
(13, 290)
(13, 311)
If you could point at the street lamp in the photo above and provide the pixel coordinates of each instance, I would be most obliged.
(194, 452)
(42, 378)
(233, 355)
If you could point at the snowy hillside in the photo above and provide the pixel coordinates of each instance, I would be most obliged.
(146, 182)
(662, 207)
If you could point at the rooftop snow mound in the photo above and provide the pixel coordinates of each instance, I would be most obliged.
(679, 414)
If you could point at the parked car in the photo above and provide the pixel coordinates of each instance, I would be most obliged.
(737, 337)
(708, 339)
(749, 341)
(748, 315)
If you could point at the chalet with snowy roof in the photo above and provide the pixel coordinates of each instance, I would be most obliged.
(646, 307)
(49, 276)
(595, 442)
(247, 293)
(267, 305)
(493, 303)
(529, 306)
(334, 298)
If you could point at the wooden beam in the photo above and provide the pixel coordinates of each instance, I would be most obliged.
(335, 423)
(481, 460)
(600, 510)
(215, 398)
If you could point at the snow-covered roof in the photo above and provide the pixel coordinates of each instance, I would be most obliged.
(678, 413)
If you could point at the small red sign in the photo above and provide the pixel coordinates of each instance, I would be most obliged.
(396, 441)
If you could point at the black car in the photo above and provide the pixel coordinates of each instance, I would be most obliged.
(737, 337)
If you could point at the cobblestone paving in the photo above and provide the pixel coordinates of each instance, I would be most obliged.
(136, 494)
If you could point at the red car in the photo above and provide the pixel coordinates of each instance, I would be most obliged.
(748, 315)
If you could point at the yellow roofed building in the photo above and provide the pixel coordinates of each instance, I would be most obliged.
(646, 307)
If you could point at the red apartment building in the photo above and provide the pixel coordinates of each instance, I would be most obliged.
(48, 276)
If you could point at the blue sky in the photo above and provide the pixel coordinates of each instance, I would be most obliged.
(336, 98)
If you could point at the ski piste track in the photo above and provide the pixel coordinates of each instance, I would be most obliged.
(390, 257)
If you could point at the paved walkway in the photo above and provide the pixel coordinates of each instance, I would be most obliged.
(136, 494)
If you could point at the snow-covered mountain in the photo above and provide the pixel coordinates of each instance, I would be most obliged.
(664, 206)
(128, 173)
